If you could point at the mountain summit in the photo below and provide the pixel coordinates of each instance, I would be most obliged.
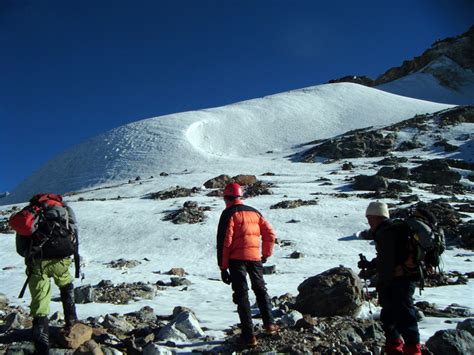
(223, 136)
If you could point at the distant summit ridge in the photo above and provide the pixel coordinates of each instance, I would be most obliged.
(450, 61)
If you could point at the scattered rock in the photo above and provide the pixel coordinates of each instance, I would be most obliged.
(84, 294)
(155, 349)
(294, 204)
(106, 292)
(354, 144)
(173, 192)
(408, 145)
(144, 314)
(5, 227)
(3, 299)
(245, 180)
(218, 182)
(347, 166)
(392, 160)
(177, 271)
(296, 255)
(190, 213)
(90, 347)
(290, 319)
(180, 281)
(436, 172)
(14, 320)
(398, 187)
(369, 183)
(268, 270)
(77, 335)
(390, 172)
(182, 328)
(337, 291)
(452, 311)
(123, 264)
(257, 189)
(306, 322)
(117, 324)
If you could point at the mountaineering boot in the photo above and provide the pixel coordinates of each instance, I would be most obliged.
(41, 335)
(394, 346)
(69, 307)
(414, 349)
(272, 329)
(248, 340)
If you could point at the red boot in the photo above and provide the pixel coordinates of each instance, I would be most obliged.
(414, 349)
(394, 346)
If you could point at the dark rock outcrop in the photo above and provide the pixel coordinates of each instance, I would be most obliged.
(337, 291)
(435, 171)
(451, 341)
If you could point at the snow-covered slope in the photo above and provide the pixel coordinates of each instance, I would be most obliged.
(133, 227)
(225, 135)
(442, 80)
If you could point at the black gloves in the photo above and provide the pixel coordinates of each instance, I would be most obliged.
(364, 264)
(225, 277)
(264, 260)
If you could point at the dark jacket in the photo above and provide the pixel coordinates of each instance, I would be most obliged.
(393, 260)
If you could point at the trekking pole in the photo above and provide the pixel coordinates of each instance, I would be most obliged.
(366, 298)
(23, 289)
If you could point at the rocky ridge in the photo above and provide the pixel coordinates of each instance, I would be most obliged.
(459, 49)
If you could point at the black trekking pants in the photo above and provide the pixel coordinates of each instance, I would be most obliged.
(238, 275)
(398, 313)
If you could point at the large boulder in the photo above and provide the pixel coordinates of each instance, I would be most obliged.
(369, 183)
(218, 182)
(337, 291)
(390, 172)
(451, 341)
(435, 171)
(467, 324)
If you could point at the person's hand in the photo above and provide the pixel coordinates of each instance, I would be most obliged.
(364, 264)
(225, 277)
(264, 259)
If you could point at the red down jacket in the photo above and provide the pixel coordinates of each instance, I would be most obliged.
(240, 232)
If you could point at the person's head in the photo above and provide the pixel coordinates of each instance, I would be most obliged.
(376, 213)
(232, 192)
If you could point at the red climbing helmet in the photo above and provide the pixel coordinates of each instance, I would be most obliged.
(234, 190)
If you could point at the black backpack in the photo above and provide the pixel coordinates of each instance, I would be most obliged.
(420, 240)
(54, 233)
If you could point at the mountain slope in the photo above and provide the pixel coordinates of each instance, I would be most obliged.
(225, 135)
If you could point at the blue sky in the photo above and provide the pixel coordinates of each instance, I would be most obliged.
(73, 69)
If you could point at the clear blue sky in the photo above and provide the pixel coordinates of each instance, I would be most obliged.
(73, 69)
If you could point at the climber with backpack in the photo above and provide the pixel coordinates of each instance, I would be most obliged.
(396, 274)
(47, 237)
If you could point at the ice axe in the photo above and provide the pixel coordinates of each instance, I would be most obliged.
(366, 298)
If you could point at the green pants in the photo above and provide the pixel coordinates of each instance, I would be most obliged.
(40, 285)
